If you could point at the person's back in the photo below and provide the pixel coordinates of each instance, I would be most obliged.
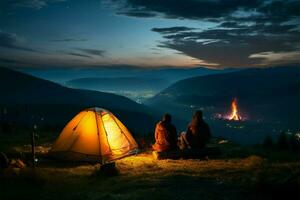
(198, 136)
(165, 135)
(198, 132)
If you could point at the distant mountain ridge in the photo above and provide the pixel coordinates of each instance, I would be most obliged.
(263, 86)
(169, 74)
(57, 104)
(137, 84)
(30, 89)
(241, 83)
(118, 83)
(269, 100)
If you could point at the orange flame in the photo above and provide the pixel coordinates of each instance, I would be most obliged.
(234, 111)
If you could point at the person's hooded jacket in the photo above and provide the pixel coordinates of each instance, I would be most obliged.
(165, 136)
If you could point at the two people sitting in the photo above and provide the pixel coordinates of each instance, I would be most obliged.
(197, 134)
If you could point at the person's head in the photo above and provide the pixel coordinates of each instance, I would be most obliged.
(198, 114)
(197, 117)
(167, 117)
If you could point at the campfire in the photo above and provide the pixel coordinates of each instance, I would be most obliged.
(234, 115)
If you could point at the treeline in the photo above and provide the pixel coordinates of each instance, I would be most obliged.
(285, 141)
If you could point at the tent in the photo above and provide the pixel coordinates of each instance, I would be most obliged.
(94, 134)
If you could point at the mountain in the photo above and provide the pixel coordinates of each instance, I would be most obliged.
(135, 83)
(135, 88)
(266, 97)
(170, 74)
(119, 83)
(26, 99)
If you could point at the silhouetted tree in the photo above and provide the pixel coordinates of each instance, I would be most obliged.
(268, 142)
(282, 142)
(294, 143)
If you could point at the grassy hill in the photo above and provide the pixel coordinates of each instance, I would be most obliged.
(240, 173)
(27, 100)
(251, 172)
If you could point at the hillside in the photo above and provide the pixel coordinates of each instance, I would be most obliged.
(118, 83)
(132, 82)
(251, 87)
(135, 88)
(242, 83)
(267, 98)
(28, 99)
(240, 173)
(169, 74)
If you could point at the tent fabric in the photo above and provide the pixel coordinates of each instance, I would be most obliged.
(94, 134)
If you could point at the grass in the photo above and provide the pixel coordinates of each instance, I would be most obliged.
(240, 173)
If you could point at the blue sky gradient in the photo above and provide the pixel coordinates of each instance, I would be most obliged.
(95, 33)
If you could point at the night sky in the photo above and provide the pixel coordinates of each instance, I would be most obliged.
(149, 33)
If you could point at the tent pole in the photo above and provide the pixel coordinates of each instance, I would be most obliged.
(99, 144)
(121, 129)
(106, 132)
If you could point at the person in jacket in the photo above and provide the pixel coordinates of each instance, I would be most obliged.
(197, 134)
(165, 135)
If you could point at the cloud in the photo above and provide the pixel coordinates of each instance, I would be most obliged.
(9, 7)
(137, 14)
(277, 58)
(69, 40)
(13, 41)
(232, 47)
(189, 9)
(242, 28)
(275, 10)
(280, 10)
(35, 4)
(8, 61)
(169, 30)
(79, 55)
(95, 52)
(87, 53)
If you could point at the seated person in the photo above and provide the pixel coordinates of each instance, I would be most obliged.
(165, 135)
(197, 134)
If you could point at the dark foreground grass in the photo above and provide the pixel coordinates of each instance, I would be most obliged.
(241, 173)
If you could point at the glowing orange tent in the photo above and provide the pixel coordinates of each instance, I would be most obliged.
(94, 134)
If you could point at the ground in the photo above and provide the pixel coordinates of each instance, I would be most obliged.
(240, 173)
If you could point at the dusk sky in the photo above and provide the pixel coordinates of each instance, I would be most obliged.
(149, 33)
